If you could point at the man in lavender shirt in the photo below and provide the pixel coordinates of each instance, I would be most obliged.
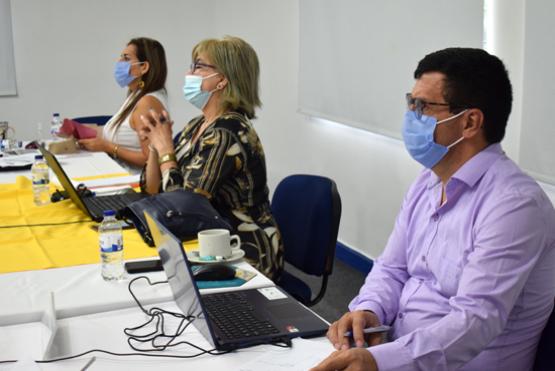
(467, 279)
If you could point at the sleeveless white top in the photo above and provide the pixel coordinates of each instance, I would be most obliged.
(124, 135)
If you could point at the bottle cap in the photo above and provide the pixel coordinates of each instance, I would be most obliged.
(39, 157)
(56, 114)
(109, 213)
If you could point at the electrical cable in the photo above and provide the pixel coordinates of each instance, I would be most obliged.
(44, 224)
(156, 316)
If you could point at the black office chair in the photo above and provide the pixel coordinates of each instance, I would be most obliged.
(307, 209)
(545, 361)
(99, 120)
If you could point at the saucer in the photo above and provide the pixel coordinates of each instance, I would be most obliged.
(236, 255)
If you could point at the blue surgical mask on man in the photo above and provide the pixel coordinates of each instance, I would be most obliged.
(122, 73)
(192, 90)
(418, 135)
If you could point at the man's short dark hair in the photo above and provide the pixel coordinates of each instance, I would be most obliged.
(474, 79)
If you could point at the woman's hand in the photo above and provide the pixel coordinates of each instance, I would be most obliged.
(97, 144)
(158, 130)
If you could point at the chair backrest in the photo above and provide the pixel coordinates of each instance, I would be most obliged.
(307, 209)
(544, 360)
(99, 120)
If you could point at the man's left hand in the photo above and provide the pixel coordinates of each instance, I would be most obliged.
(354, 359)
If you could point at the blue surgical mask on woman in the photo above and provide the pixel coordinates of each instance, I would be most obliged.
(192, 90)
(122, 73)
(418, 135)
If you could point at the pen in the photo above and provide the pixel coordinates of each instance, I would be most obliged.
(88, 364)
(370, 330)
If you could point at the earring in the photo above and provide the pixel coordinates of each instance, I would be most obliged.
(141, 84)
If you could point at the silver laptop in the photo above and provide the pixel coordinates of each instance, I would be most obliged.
(234, 319)
(92, 206)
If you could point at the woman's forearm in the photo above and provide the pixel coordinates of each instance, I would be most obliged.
(152, 173)
(130, 156)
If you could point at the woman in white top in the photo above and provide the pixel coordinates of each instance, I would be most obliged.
(142, 68)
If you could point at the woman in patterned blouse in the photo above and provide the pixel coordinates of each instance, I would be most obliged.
(219, 154)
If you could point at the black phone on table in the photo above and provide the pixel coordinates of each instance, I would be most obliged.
(142, 266)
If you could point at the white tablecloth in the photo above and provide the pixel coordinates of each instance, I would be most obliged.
(65, 311)
(76, 165)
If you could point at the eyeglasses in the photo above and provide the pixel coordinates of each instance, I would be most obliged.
(196, 65)
(418, 105)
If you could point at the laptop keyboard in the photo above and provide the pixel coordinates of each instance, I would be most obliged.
(97, 205)
(234, 316)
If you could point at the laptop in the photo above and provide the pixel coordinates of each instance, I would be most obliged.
(234, 319)
(93, 206)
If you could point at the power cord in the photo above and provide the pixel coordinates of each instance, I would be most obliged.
(82, 190)
(44, 224)
(156, 315)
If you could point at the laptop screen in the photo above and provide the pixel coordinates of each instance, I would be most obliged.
(180, 277)
(63, 178)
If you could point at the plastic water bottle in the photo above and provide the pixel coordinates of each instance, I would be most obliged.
(55, 125)
(41, 180)
(40, 134)
(111, 247)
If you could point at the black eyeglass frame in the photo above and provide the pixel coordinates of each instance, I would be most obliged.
(196, 65)
(418, 105)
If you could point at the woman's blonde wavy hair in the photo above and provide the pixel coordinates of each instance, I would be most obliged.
(237, 61)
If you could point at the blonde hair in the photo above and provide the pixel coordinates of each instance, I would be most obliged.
(237, 61)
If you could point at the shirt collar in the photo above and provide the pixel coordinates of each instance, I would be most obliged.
(475, 168)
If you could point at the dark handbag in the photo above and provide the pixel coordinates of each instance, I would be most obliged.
(184, 213)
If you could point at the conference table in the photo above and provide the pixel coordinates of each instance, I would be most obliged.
(60, 306)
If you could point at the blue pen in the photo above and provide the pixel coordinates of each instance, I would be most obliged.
(371, 330)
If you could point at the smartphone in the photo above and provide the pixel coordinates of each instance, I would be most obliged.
(142, 266)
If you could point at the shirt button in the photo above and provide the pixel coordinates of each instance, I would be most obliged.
(423, 258)
(435, 217)
(400, 315)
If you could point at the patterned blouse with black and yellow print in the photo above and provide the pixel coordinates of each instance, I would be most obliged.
(227, 165)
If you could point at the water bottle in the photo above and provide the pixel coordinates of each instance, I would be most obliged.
(40, 134)
(41, 180)
(111, 247)
(55, 125)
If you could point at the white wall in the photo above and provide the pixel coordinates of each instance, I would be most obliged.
(65, 51)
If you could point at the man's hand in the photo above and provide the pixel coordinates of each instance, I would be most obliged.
(355, 322)
(355, 359)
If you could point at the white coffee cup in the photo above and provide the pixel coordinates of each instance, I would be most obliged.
(217, 242)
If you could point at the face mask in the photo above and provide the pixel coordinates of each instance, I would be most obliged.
(193, 92)
(418, 135)
(121, 73)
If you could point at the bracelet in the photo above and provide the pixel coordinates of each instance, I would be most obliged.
(167, 158)
(115, 151)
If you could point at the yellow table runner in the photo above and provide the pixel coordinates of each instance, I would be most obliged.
(51, 236)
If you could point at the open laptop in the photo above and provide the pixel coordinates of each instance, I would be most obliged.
(268, 315)
(93, 206)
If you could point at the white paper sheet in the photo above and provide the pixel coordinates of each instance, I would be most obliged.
(304, 355)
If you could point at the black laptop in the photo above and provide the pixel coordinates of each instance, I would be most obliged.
(93, 206)
(234, 319)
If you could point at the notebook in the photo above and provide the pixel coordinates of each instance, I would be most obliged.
(93, 206)
(234, 319)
